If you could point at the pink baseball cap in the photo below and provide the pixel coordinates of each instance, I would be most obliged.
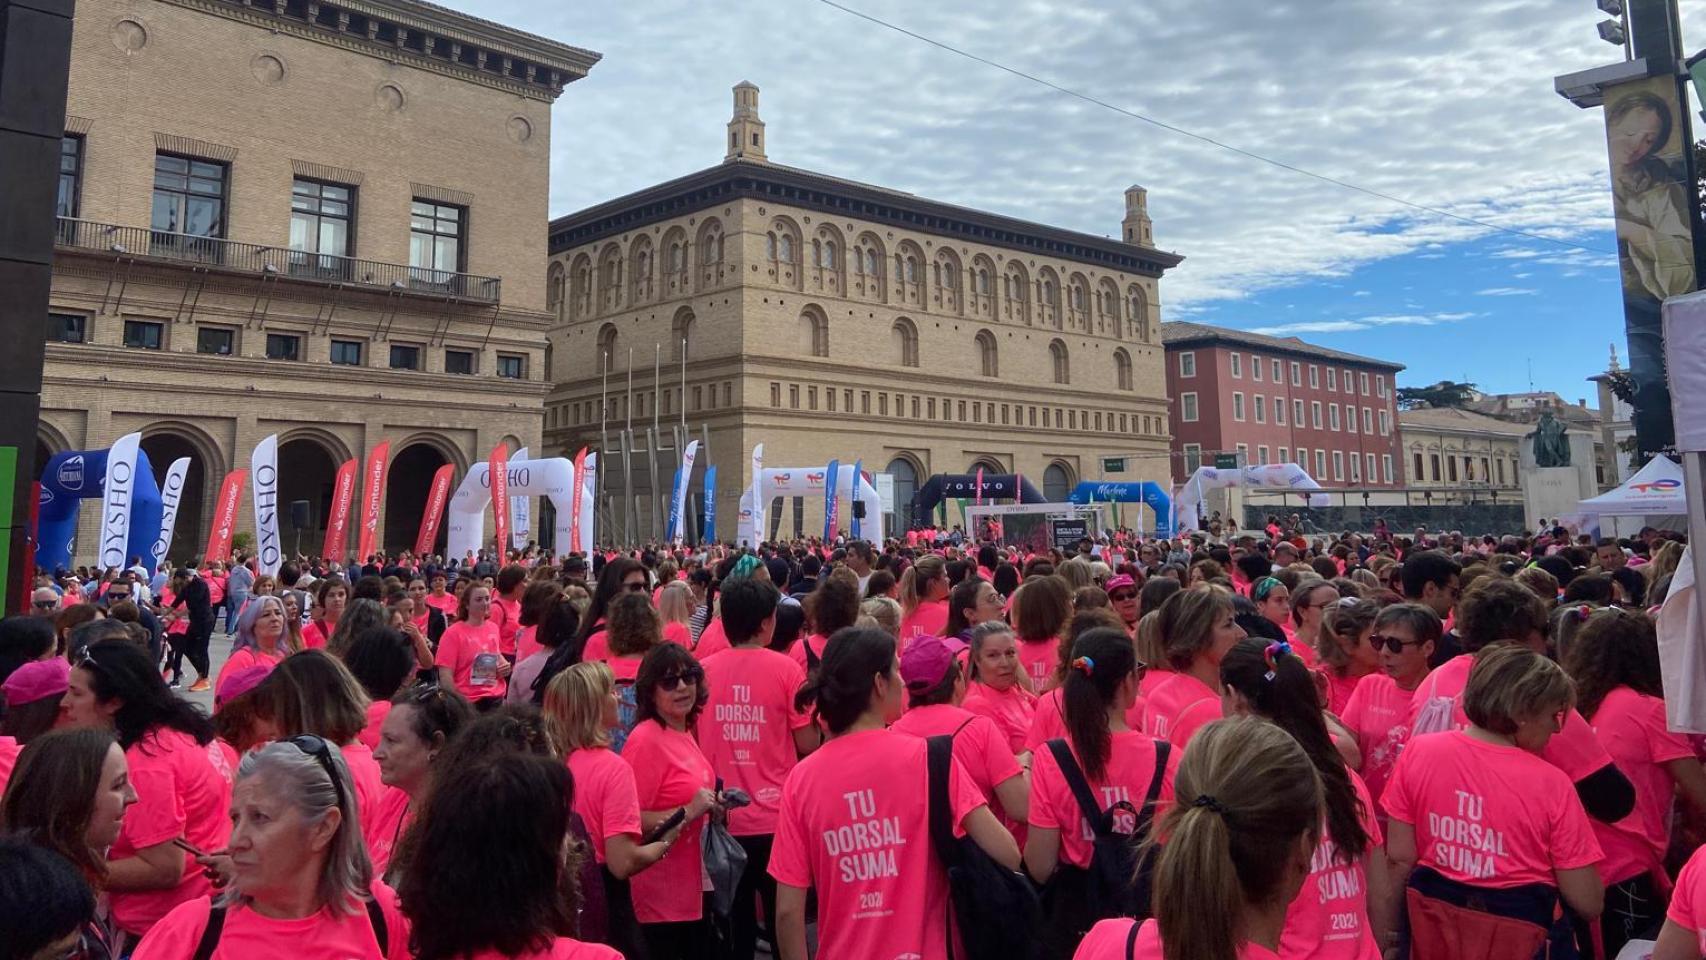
(1116, 582)
(927, 659)
(37, 680)
(239, 683)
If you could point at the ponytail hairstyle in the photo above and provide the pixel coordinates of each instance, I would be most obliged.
(1102, 660)
(1279, 688)
(1081, 623)
(840, 690)
(1246, 794)
(915, 582)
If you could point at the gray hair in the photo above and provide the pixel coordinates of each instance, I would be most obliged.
(347, 876)
(245, 637)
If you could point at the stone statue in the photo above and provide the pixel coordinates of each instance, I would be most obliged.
(1551, 447)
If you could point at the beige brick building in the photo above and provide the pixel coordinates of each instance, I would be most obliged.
(829, 319)
(316, 219)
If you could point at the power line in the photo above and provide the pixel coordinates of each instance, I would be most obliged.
(1171, 128)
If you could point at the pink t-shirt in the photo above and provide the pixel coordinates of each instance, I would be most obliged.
(712, 639)
(597, 645)
(1126, 776)
(246, 658)
(1107, 939)
(369, 785)
(471, 654)
(1047, 722)
(325, 935)
(855, 826)
(1688, 900)
(927, 620)
(525, 644)
(1178, 706)
(9, 750)
(1574, 750)
(1631, 726)
(747, 729)
(445, 604)
(979, 744)
(315, 635)
(679, 634)
(1377, 714)
(390, 818)
(1487, 814)
(506, 615)
(797, 652)
(1329, 919)
(377, 711)
(605, 796)
(183, 789)
(669, 769)
(1037, 658)
(1011, 709)
(1339, 690)
(563, 949)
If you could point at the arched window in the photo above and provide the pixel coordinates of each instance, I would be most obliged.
(677, 258)
(1077, 297)
(871, 268)
(607, 338)
(814, 332)
(911, 270)
(905, 476)
(770, 245)
(554, 284)
(1137, 308)
(1057, 483)
(1122, 368)
(950, 276)
(988, 364)
(906, 342)
(786, 245)
(983, 282)
(1062, 364)
(817, 253)
(829, 255)
(681, 335)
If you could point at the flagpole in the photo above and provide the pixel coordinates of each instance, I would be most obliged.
(628, 455)
(603, 429)
(656, 435)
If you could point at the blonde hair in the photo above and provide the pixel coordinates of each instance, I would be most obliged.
(1149, 647)
(1539, 582)
(1343, 624)
(1510, 683)
(1077, 572)
(574, 706)
(1186, 622)
(675, 603)
(913, 581)
(884, 614)
(1665, 561)
(1245, 793)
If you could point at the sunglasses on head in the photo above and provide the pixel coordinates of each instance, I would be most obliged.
(670, 681)
(320, 750)
(1392, 644)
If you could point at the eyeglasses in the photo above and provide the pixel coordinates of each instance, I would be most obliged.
(1123, 595)
(670, 681)
(320, 750)
(1392, 644)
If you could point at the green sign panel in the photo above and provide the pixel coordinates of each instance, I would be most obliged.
(1226, 461)
(1113, 464)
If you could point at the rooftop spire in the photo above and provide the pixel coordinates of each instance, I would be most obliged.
(746, 131)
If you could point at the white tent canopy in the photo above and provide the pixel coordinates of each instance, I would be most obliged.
(1655, 490)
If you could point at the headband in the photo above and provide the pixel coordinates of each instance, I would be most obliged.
(1272, 655)
(1264, 587)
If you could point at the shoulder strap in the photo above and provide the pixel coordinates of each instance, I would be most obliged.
(381, 933)
(963, 724)
(812, 659)
(1131, 940)
(210, 934)
(1087, 805)
(1163, 750)
(940, 754)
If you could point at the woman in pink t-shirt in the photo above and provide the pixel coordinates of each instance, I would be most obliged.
(502, 814)
(1343, 650)
(1042, 606)
(181, 776)
(1197, 628)
(675, 609)
(1121, 766)
(1614, 660)
(1478, 809)
(470, 655)
(301, 886)
(1272, 600)
(881, 891)
(1240, 841)
(923, 599)
(261, 638)
(996, 690)
(422, 720)
(671, 773)
(330, 597)
(1405, 634)
(441, 599)
(1309, 604)
(833, 606)
(1683, 936)
(1345, 911)
(619, 576)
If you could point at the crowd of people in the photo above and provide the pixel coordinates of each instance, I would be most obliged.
(1225, 747)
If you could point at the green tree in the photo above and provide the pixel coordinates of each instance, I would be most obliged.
(1446, 393)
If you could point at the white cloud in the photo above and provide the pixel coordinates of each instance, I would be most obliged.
(1361, 323)
(1363, 293)
(1507, 292)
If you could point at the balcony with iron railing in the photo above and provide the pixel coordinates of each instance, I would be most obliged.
(279, 262)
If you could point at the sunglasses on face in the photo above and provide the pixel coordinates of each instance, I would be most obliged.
(1391, 644)
(44, 604)
(671, 681)
(1120, 596)
(320, 750)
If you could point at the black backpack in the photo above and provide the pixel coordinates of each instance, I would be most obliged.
(216, 925)
(1115, 884)
(998, 911)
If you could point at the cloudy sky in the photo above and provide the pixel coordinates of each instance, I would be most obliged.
(1446, 104)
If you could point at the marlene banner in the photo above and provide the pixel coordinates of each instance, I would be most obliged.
(225, 515)
(432, 515)
(372, 495)
(710, 532)
(269, 548)
(337, 527)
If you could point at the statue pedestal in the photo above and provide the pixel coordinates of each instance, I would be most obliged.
(1550, 492)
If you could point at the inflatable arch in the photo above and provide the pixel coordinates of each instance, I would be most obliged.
(130, 523)
(1187, 505)
(553, 477)
(1146, 492)
(964, 486)
(808, 482)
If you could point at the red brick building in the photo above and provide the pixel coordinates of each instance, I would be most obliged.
(1280, 400)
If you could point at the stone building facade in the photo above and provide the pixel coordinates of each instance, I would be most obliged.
(828, 319)
(320, 220)
(1461, 454)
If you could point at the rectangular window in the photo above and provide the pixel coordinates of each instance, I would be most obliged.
(406, 357)
(1332, 416)
(284, 346)
(1193, 457)
(728, 393)
(67, 328)
(1237, 361)
(829, 398)
(1122, 418)
(1451, 469)
(1350, 419)
(1356, 469)
(1284, 455)
(321, 220)
(811, 398)
(1338, 465)
(1321, 464)
(347, 352)
(1276, 371)
(1333, 379)
(915, 408)
(1297, 413)
(1279, 410)
(1349, 388)
(144, 334)
(70, 176)
(1385, 423)
(1296, 373)
(864, 401)
(793, 396)
(1315, 414)
(1243, 453)
(219, 341)
(1314, 377)
(1433, 467)
(436, 239)
(1380, 385)
(1188, 363)
(1372, 476)
(1261, 454)
(1368, 420)
(1237, 406)
(1255, 367)
(1261, 402)
(189, 198)
(1188, 407)
(459, 361)
(1362, 384)
(1416, 467)
(1386, 466)
(962, 410)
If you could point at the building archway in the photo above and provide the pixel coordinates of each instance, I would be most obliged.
(407, 486)
(307, 469)
(986, 465)
(1057, 482)
(905, 472)
(189, 532)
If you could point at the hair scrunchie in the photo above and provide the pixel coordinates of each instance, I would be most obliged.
(1209, 802)
(1272, 655)
(1084, 664)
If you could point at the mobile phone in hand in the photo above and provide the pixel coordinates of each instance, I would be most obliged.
(187, 847)
(665, 827)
